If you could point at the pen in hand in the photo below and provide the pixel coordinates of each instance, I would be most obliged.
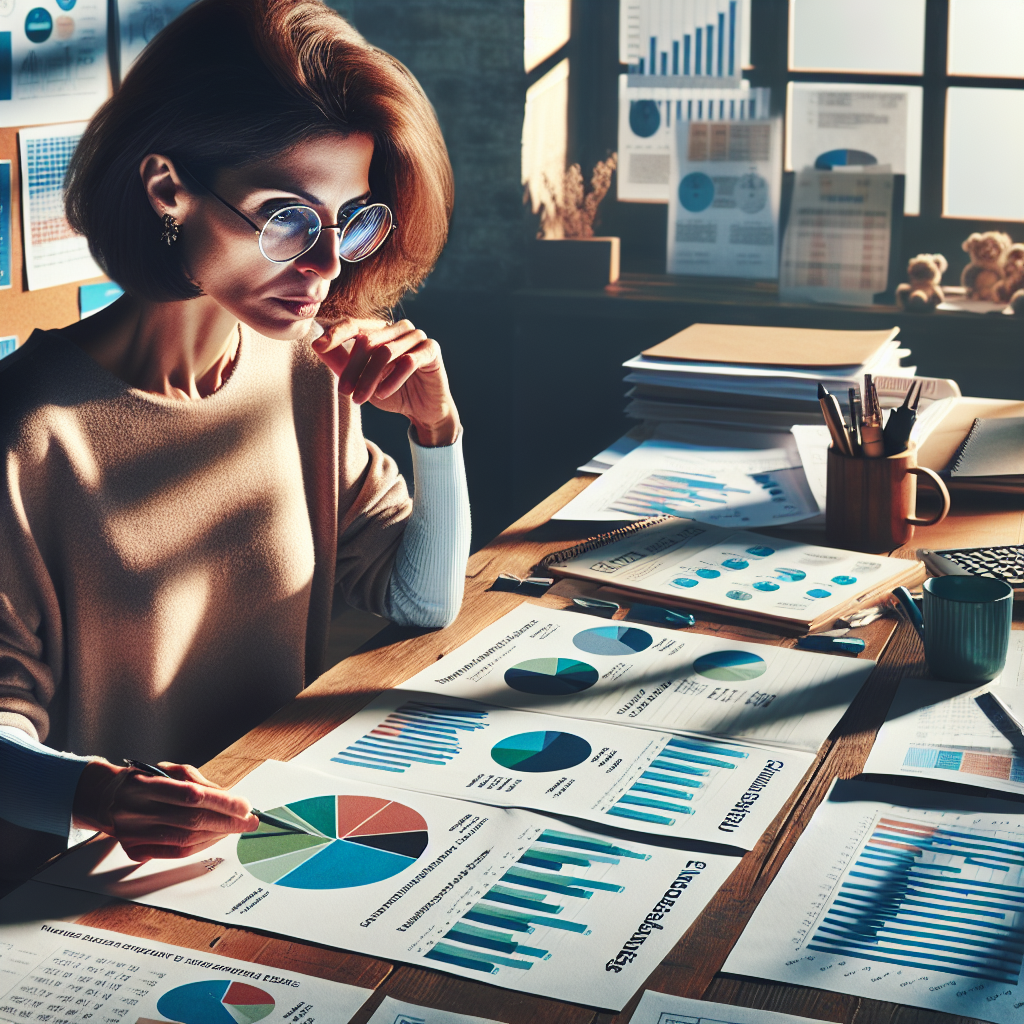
(267, 819)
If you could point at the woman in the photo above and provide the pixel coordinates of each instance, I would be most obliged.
(187, 483)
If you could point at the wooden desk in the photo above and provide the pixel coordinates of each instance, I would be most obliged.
(692, 967)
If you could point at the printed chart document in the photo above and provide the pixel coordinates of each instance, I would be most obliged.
(57, 972)
(850, 125)
(726, 182)
(936, 731)
(503, 896)
(647, 118)
(139, 22)
(750, 575)
(580, 666)
(659, 1008)
(54, 254)
(53, 60)
(398, 1011)
(725, 486)
(901, 895)
(836, 247)
(684, 786)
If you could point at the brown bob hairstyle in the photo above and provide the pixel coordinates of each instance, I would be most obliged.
(230, 81)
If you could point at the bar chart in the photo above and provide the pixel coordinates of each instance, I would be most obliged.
(680, 773)
(922, 895)
(993, 764)
(414, 734)
(541, 898)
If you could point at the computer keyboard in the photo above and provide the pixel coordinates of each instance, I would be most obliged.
(1001, 563)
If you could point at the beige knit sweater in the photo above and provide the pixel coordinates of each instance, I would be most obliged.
(167, 567)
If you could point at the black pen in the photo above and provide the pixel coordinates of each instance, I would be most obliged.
(267, 819)
(901, 421)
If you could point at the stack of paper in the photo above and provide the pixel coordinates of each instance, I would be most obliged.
(755, 378)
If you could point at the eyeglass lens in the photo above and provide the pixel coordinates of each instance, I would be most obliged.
(293, 231)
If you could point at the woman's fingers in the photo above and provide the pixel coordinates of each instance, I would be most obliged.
(371, 353)
(199, 797)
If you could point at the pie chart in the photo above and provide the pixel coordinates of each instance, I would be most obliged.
(541, 751)
(613, 641)
(216, 1002)
(730, 666)
(550, 677)
(360, 840)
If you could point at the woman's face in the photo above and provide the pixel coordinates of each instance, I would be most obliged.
(222, 254)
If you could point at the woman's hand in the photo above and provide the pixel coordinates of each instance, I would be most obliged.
(397, 368)
(154, 817)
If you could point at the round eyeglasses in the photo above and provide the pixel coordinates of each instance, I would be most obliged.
(294, 230)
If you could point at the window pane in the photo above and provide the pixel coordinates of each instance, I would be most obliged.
(545, 134)
(857, 35)
(883, 121)
(986, 38)
(545, 29)
(984, 153)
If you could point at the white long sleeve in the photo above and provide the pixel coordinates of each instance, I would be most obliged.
(430, 568)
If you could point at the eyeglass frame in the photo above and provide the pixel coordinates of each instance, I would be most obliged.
(340, 226)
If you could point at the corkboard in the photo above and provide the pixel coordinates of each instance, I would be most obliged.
(22, 311)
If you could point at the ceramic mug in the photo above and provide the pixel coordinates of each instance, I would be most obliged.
(967, 623)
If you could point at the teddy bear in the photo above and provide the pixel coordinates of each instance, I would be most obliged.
(1011, 288)
(984, 272)
(923, 293)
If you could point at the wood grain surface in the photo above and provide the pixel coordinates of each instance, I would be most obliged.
(694, 965)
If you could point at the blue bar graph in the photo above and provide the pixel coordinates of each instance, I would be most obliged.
(682, 766)
(686, 54)
(675, 56)
(925, 896)
(415, 733)
(732, 37)
(721, 44)
(490, 935)
(654, 51)
(697, 50)
(709, 64)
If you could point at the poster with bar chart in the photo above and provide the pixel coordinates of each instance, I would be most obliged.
(494, 894)
(684, 42)
(54, 970)
(538, 659)
(686, 786)
(937, 731)
(901, 895)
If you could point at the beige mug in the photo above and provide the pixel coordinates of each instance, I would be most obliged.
(871, 504)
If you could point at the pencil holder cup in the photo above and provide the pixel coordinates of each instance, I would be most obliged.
(871, 504)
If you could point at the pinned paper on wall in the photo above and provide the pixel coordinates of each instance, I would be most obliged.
(8, 345)
(53, 60)
(139, 21)
(5, 224)
(94, 297)
(54, 254)
(724, 203)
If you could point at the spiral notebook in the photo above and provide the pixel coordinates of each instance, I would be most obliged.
(991, 456)
(784, 583)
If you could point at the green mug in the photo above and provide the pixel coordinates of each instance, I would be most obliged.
(967, 623)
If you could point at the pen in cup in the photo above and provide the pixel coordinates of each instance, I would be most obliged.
(834, 420)
(267, 819)
(856, 419)
(872, 442)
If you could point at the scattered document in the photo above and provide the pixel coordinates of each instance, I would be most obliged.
(398, 1011)
(812, 441)
(723, 213)
(849, 125)
(747, 574)
(580, 666)
(936, 731)
(648, 115)
(659, 1008)
(686, 786)
(53, 60)
(724, 486)
(836, 247)
(54, 971)
(901, 895)
(54, 254)
(495, 895)
(140, 21)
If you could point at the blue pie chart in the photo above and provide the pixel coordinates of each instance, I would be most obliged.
(541, 751)
(843, 158)
(644, 118)
(730, 666)
(613, 641)
(696, 192)
(219, 1001)
(551, 677)
(791, 575)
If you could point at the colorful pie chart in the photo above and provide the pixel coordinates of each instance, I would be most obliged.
(790, 575)
(550, 677)
(541, 751)
(359, 840)
(730, 666)
(613, 641)
(216, 1002)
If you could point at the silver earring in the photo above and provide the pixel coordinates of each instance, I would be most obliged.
(171, 230)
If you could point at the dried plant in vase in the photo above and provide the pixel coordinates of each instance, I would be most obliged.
(573, 209)
(567, 253)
